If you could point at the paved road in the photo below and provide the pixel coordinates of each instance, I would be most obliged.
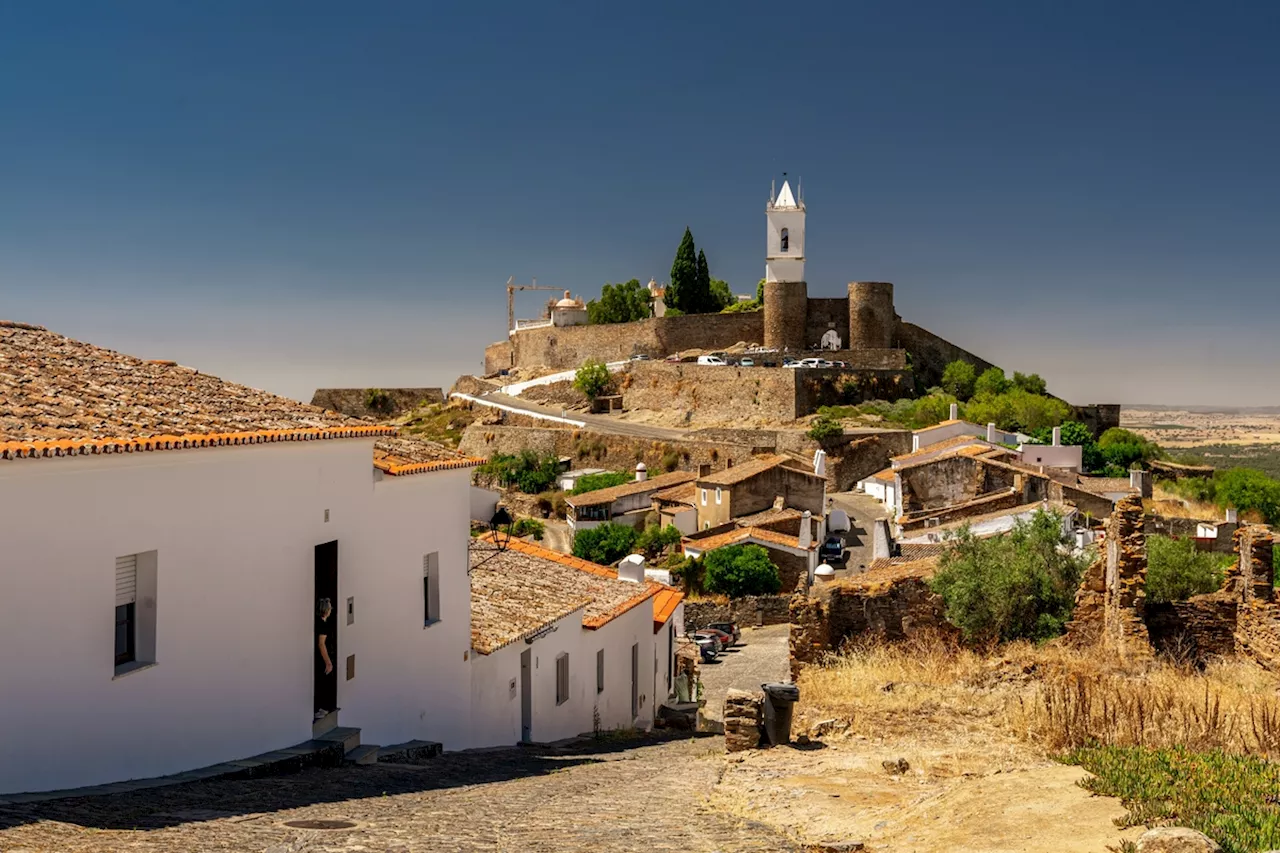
(761, 657)
(862, 510)
(641, 796)
(601, 423)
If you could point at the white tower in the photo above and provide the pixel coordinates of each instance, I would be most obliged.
(784, 260)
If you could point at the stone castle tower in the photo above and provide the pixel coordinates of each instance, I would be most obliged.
(871, 316)
(786, 296)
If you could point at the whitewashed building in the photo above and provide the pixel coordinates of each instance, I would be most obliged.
(168, 536)
(563, 646)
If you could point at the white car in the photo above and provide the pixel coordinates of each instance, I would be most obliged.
(711, 359)
(814, 362)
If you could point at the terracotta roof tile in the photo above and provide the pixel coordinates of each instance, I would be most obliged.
(685, 493)
(744, 534)
(769, 516)
(744, 471)
(635, 487)
(610, 597)
(887, 571)
(409, 455)
(664, 606)
(946, 444)
(61, 397)
(946, 423)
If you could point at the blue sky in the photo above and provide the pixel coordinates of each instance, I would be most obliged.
(294, 195)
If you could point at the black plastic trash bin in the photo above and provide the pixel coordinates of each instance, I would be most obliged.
(779, 700)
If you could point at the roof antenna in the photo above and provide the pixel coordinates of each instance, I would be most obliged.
(800, 190)
(773, 189)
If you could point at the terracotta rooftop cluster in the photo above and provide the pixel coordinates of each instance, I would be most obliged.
(517, 592)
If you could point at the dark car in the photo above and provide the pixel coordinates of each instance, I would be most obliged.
(730, 628)
(707, 642)
(832, 551)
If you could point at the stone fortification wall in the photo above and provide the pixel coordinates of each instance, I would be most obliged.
(786, 312)
(871, 315)
(827, 315)
(816, 388)
(930, 354)
(1098, 417)
(587, 449)
(749, 611)
(567, 347)
(376, 403)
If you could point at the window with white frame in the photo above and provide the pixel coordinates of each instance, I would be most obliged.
(430, 588)
(562, 678)
(135, 612)
(704, 497)
(717, 494)
(600, 671)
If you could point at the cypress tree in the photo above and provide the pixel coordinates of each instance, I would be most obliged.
(682, 289)
(706, 302)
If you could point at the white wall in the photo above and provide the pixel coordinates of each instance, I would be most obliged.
(234, 530)
(484, 503)
(933, 435)
(1054, 456)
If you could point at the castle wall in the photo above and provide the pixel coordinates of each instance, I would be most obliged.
(930, 354)
(786, 311)
(375, 402)
(656, 337)
(871, 315)
(827, 314)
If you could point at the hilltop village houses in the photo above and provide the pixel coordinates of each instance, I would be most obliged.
(197, 572)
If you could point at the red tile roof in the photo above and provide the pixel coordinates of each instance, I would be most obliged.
(664, 606)
(742, 534)
(635, 487)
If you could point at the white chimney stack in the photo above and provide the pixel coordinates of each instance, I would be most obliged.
(642, 472)
(1233, 515)
(1057, 436)
(631, 569)
(991, 433)
(806, 529)
(955, 411)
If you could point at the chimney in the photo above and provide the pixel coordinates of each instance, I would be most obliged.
(1057, 436)
(1139, 480)
(631, 569)
(642, 472)
(1233, 515)
(704, 469)
(991, 433)
(806, 529)
(954, 413)
(880, 541)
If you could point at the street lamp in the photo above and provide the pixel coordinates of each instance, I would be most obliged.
(500, 526)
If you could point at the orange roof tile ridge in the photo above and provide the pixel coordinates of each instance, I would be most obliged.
(89, 446)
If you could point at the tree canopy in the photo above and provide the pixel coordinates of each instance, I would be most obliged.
(721, 294)
(738, 570)
(620, 303)
(605, 544)
(991, 383)
(682, 289)
(592, 378)
(958, 378)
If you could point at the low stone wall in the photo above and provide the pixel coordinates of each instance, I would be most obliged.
(375, 403)
(749, 612)
(1195, 630)
(892, 603)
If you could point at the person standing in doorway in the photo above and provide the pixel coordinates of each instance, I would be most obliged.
(325, 695)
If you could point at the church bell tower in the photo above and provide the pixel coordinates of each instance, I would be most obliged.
(784, 258)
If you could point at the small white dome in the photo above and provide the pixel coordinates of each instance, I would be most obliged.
(825, 572)
(640, 466)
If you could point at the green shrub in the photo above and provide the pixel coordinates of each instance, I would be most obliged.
(991, 383)
(605, 544)
(1031, 383)
(825, 429)
(1176, 570)
(958, 378)
(1075, 433)
(529, 527)
(527, 471)
(670, 460)
(741, 308)
(552, 503)
(378, 400)
(592, 482)
(657, 539)
(592, 378)
(738, 570)
(1124, 449)
(1020, 584)
(1016, 410)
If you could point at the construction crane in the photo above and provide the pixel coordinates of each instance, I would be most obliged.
(512, 287)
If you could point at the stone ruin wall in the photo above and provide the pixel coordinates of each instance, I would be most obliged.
(749, 611)
(1243, 618)
(893, 603)
(354, 402)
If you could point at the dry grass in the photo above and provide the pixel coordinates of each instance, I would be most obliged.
(1052, 696)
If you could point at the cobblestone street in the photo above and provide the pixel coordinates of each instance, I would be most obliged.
(625, 796)
(759, 658)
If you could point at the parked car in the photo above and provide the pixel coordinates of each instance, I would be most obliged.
(710, 639)
(711, 359)
(730, 628)
(790, 362)
(747, 362)
(706, 648)
(832, 551)
(725, 638)
(639, 357)
(814, 362)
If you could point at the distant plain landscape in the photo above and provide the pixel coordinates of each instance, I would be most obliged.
(1224, 438)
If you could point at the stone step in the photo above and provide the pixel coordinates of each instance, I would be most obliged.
(326, 723)
(365, 753)
(347, 736)
(412, 750)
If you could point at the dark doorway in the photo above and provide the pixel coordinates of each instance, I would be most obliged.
(326, 590)
(526, 696)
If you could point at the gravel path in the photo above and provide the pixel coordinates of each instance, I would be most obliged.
(762, 656)
(645, 796)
